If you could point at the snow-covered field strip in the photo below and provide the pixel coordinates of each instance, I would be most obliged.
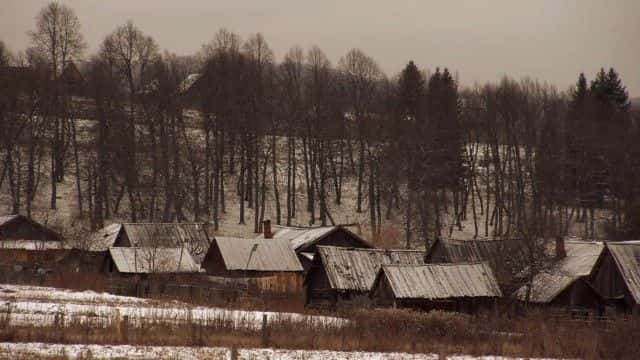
(25, 292)
(43, 351)
(30, 306)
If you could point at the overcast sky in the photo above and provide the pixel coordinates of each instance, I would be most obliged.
(550, 40)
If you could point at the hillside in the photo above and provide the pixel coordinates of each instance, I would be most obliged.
(66, 217)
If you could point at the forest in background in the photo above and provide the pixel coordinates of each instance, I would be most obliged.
(517, 158)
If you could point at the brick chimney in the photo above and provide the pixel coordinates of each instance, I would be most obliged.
(561, 252)
(266, 227)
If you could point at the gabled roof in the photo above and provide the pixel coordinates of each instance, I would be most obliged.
(356, 269)
(302, 238)
(627, 257)
(257, 254)
(104, 238)
(548, 284)
(440, 281)
(7, 220)
(145, 260)
(191, 235)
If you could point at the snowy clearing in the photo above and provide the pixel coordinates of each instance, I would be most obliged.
(33, 306)
(43, 351)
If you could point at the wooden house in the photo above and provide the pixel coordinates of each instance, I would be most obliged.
(304, 240)
(616, 276)
(192, 236)
(341, 276)
(270, 264)
(566, 282)
(451, 287)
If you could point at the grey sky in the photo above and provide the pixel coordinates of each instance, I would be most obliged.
(550, 40)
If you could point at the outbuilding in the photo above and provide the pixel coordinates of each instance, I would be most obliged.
(451, 287)
(147, 260)
(341, 276)
(507, 257)
(566, 282)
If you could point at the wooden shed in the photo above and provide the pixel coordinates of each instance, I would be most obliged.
(20, 232)
(617, 276)
(192, 236)
(270, 264)
(451, 287)
(341, 276)
(304, 240)
(566, 283)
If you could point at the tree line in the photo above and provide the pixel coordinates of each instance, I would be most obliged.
(514, 158)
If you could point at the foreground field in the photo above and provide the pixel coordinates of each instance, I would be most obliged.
(108, 326)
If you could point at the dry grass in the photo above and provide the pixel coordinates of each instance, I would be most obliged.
(537, 335)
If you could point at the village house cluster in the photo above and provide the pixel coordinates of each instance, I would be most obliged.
(331, 267)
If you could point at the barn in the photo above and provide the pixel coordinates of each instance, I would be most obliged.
(566, 283)
(192, 236)
(305, 239)
(341, 276)
(450, 287)
(617, 276)
(270, 264)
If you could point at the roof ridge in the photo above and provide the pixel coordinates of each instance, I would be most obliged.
(345, 248)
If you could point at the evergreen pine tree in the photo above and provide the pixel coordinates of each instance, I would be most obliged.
(411, 92)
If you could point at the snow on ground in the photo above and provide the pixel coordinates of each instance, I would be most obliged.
(43, 351)
(40, 293)
(33, 306)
